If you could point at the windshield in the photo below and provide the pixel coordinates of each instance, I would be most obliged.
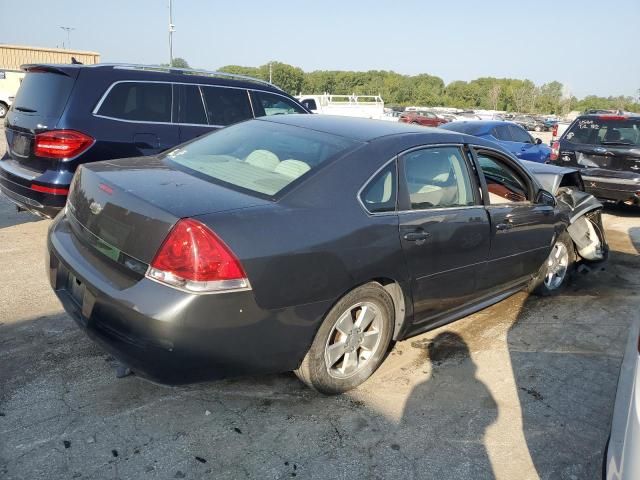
(259, 156)
(604, 131)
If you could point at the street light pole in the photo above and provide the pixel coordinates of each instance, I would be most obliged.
(172, 29)
(68, 30)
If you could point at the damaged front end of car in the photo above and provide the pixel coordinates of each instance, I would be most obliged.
(583, 210)
(585, 223)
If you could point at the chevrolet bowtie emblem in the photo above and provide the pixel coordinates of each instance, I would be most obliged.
(95, 208)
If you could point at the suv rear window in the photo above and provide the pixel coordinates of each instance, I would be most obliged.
(604, 131)
(138, 101)
(43, 93)
(258, 156)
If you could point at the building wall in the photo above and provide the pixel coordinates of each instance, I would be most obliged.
(12, 56)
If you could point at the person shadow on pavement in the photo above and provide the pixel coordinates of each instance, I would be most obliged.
(449, 413)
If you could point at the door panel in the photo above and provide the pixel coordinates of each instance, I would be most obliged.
(444, 231)
(521, 231)
(445, 252)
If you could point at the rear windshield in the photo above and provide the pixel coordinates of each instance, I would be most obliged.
(603, 131)
(43, 93)
(262, 157)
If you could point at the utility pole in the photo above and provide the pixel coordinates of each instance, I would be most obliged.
(172, 28)
(68, 30)
(270, 72)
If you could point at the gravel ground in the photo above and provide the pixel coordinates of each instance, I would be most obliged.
(521, 390)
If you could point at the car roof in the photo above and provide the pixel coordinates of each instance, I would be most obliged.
(163, 73)
(478, 126)
(361, 129)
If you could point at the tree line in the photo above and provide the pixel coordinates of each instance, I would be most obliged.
(509, 94)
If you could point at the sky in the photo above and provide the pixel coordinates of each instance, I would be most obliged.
(588, 45)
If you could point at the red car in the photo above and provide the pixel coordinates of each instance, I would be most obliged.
(426, 119)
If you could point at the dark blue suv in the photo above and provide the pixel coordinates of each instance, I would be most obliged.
(66, 115)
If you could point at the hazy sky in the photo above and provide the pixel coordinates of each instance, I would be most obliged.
(589, 45)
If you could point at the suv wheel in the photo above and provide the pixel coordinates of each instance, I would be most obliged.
(4, 108)
(351, 343)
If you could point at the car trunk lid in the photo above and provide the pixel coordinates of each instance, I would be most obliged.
(127, 207)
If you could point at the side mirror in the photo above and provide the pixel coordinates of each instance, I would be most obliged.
(545, 198)
(538, 141)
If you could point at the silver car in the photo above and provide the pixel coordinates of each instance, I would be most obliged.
(623, 455)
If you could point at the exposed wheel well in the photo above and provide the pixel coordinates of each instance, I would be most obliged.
(394, 289)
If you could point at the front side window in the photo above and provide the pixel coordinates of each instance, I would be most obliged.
(138, 101)
(501, 132)
(226, 106)
(504, 184)
(519, 134)
(267, 104)
(436, 178)
(258, 156)
(380, 193)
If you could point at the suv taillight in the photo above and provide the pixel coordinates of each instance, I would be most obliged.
(193, 258)
(555, 151)
(61, 144)
(554, 132)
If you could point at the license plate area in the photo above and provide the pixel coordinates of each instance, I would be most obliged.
(75, 288)
(21, 145)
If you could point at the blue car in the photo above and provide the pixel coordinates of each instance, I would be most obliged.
(509, 135)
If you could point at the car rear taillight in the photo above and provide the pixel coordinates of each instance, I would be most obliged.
(50, 190)
(194, 259)
(555, 151)
(61, 144)
(554, 132)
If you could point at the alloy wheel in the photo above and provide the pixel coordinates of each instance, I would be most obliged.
(557, 266)
(354, 339)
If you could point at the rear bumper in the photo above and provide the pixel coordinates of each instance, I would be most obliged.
(15, 184)
(612, 185)
(168, 335)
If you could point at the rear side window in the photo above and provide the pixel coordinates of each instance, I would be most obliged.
(190, 106)
(258, 156)
(226, 106)
(380, 194)
(43, 93)
(137, 101)
(603, 131)
(270, 104)
(501, 132)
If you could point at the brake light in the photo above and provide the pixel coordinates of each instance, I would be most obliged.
(193, 258)
(61, 144)
(554, 132)
(49, 190)
(555, 151)
(612, 117)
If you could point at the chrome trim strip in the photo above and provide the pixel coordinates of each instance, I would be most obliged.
(620, 181)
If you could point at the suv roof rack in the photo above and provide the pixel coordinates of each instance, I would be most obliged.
(184, 71)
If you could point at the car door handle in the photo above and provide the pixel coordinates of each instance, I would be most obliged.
(504, 226)
(418, 237)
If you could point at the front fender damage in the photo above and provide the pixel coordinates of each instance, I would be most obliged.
(585, 223)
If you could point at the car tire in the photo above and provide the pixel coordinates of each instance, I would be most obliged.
(556, 271)
(328, 366)
(4, 108)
